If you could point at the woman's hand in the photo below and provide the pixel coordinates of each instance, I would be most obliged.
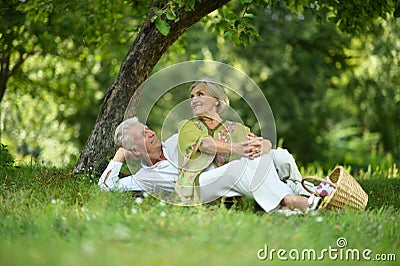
(242, 149)
(258, 145)
(208, 145)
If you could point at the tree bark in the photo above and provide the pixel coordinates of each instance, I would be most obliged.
(145, 52)
(4, 74)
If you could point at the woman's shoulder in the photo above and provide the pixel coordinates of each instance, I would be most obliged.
(191, 124)
(235, 126)
(228, 123)
(194, 120)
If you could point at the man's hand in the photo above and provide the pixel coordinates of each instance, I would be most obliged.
(122, 154)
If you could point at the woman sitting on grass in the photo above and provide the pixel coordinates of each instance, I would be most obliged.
(207, 141)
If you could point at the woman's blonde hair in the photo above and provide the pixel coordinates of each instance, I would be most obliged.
(217, 91)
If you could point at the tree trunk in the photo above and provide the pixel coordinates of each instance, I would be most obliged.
(5, 62)
(145, 52)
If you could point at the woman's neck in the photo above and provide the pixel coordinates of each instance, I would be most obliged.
(211, 122)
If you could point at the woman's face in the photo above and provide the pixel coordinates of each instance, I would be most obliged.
(202, 103)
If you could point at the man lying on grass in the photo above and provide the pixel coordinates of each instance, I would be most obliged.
(159, 172)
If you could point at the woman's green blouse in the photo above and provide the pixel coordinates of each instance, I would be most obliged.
(192, 162)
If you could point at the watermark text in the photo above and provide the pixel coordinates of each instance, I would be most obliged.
(339, 252)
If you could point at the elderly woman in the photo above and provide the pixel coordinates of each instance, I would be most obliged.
(207, 142)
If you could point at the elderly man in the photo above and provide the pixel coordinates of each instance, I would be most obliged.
(159, 172)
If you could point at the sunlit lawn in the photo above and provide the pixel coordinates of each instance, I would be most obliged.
(51, 218)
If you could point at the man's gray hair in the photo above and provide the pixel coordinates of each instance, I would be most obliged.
(121, 136)
(217, 91)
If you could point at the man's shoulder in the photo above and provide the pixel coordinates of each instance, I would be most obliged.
(172, 141)
(171, 148)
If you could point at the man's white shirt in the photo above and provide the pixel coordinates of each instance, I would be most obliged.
(160, 177)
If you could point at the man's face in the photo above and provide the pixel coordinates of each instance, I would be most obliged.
(146, 140)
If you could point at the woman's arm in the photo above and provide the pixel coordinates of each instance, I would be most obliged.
(191, 136)
(253, 147)
(266, 146)
(211, 145)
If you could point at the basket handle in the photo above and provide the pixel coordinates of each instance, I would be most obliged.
(314, 178)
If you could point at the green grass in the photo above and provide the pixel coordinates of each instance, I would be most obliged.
(48, 217)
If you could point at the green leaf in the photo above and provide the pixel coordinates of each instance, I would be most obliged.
(190, 5)
(244, 39)
(229, 33)
(253, 32)
(211, 27)
(334, 19)
(162, 26)
(153, 18)
(158, 11)
(231, 16)
(248, 20)
(170, 14)
(236, 40)
(252, 11)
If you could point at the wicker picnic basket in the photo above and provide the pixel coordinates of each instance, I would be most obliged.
(347, 192)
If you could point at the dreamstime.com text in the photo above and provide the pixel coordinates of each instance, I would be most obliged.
(340, 252)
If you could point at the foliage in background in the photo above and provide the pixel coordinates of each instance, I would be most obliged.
(334, 96)
(52, 104)
(57, 59)
(6, 159)
(314, 78)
